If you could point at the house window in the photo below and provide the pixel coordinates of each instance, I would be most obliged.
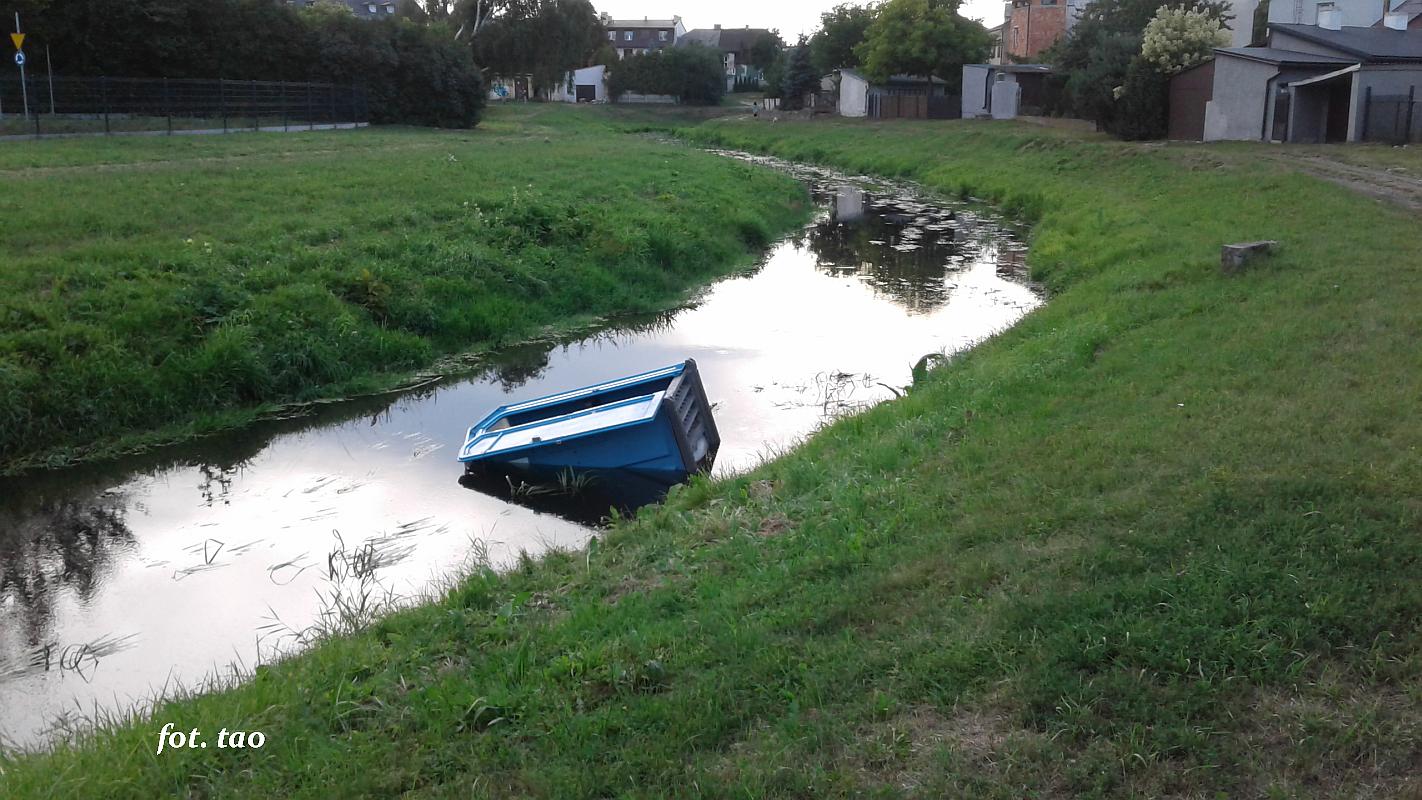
(627, 36)
(370, 8)
(612, 36)
(661, 36)
(1049, 2)
(390, 9)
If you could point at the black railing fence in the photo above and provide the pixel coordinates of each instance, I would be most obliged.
(1392, 119)
(117, 105)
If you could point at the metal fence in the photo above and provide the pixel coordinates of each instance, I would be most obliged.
(117, 105)
(914, 106)
(1392, 119)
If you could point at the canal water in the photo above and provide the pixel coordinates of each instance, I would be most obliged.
(120, 581)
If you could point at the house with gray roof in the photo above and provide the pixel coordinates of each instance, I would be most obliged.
(735, 45)
(1320, 83)
(641, 36)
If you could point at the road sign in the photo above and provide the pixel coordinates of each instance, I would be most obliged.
(18, 39)
(20, 59)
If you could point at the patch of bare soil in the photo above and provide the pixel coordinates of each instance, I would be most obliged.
(1392, 185)
(911, 750)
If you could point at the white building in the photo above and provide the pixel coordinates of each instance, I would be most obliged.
(586, 85)
(1337, 13)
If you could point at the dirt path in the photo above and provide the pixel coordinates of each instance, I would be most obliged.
(1393, 184)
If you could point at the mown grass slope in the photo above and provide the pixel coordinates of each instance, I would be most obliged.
(153, 283)
(1160, 539)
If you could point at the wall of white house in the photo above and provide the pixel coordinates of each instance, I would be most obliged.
(1236, 110)
(1241, 28)
(1354, 13)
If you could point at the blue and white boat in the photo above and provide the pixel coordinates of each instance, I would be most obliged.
(656, 426)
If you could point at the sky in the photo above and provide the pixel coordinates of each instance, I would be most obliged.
(791, 17)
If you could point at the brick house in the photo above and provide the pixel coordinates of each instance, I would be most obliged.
(1035, 25)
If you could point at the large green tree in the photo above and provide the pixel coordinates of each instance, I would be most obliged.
(921, 37)
(801, 77)
(765, 49)
(542, 38)
(693, 74)
(841, 30)
(1099, 54)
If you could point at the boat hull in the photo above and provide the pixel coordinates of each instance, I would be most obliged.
(656, 426)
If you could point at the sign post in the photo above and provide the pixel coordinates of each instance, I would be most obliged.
(49, 69)
(19, 40)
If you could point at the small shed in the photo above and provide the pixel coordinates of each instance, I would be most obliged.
(1190, 93)
(901, 96)
(853, 94)
(1002, 91)
(586, 85)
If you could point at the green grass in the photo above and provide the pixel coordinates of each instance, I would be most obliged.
(1159, 539)
(184, 284)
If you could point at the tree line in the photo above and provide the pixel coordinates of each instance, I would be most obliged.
(411, 72)
(911, 37)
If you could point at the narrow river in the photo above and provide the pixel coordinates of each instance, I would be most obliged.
(122, 580)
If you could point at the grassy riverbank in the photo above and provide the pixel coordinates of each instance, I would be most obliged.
(158, 287)
(1160, 539)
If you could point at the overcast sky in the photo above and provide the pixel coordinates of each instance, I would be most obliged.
(792, 17)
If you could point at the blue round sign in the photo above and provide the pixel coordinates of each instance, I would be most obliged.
(20, 59)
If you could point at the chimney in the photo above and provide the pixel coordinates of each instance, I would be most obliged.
(718, 26)
(1329, 17)
(1397, 20)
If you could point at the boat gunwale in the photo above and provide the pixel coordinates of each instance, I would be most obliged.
(472, 437)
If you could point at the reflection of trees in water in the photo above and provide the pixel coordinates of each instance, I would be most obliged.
(515, 366)
(216, 483)
(845, 243)
(64, 545)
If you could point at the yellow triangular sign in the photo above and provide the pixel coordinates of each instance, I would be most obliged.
(19, 40)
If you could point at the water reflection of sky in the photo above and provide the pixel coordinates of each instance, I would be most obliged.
(118, 579)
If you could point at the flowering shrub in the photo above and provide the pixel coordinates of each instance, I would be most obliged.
(1177, 39)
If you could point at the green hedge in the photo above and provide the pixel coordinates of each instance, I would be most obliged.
(412, 73)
